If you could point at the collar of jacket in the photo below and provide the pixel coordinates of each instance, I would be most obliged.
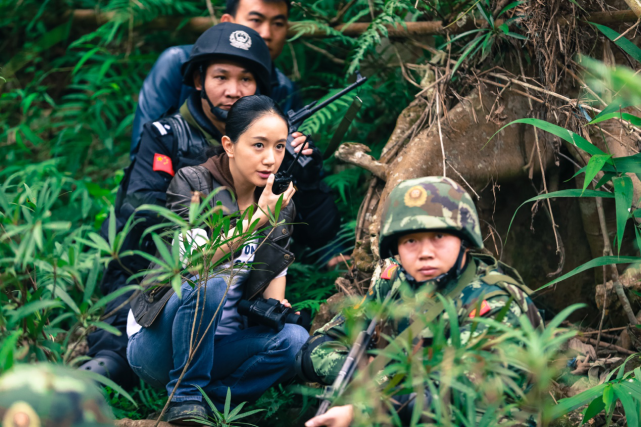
(193, 113)
(218, 166)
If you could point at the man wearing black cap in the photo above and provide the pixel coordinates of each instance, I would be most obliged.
(163, 91)
(229, 61)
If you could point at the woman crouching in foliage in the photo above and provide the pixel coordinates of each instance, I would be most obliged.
(247, 360)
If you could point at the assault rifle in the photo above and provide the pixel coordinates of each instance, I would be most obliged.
(354, 358)
(296, 118)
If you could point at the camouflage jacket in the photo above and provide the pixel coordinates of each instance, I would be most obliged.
(492, 287)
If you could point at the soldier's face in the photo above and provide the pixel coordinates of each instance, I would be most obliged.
(225, 83)
(427, 255)
(258, 152)
(269, 19)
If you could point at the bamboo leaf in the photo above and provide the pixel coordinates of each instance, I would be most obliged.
(574, 192)
(634, 120)
(30, 308)
(571, 403)
(631, 409)
(510, 6)
(112, 296)
(109, 383)
(616, 105)
(596, 262)
(623, 194)
(562, 133)
(471, 45)
(593, 409)
(594, 167)
(628, 47)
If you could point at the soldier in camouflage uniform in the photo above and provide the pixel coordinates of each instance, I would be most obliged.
(429, 229)
(45, 395)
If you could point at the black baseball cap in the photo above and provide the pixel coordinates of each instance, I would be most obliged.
(237, 43)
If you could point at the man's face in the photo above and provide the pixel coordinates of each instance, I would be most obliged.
(427, 255)
(269, 19)
(225, 83)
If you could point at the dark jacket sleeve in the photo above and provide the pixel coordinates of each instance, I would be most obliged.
(147, 186)
(161, 92)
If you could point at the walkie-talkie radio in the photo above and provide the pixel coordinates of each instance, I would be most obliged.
(282, 179)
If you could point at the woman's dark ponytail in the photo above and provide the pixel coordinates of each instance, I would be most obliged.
(246, 110)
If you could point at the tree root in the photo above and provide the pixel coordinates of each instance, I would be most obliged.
(126, 422)
(356, 154)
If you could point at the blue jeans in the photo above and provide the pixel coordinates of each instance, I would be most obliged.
(248, 362)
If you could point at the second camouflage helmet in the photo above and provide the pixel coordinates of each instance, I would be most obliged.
(428, 203)
(237, 43)
(47, 395)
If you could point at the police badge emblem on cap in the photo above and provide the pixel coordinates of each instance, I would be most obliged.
(240, 40)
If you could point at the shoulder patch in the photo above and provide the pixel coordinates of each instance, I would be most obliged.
(163, 163)
(389, 272)
(161, 129)
(485, 307)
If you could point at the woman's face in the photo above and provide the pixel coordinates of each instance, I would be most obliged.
(259, 150)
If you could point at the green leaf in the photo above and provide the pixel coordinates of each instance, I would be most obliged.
(112, 226)
(227, 403)
(616, 105)
(516, 35)
(623, 194)
(471, 45)
(604, 179)
(64, 296)
(7, 349)
(109, 383)
(92, 279)
(112, 296)
(608, 397)
(26, 103)
(593, 409)
(634, 120)
(627, 164)
(84, 59)
(596, 262)
(562, 133)
(571, 403)
(631, 409)
(107, 327)
(510, 6)
(574, 192)
(594, 167)
(626, 45)
(30, 308)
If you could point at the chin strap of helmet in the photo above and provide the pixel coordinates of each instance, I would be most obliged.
(219, 113)
(445, 278)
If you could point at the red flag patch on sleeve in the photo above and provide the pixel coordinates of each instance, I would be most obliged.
(389, 272)
(485, 307)
(163, 163)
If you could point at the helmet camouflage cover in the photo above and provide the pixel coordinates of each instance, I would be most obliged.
(46, 395)
(428, 203)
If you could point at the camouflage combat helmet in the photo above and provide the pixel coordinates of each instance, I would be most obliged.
(428, 203)
(45, 395)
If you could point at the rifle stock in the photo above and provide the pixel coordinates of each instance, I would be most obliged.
(354, 357)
